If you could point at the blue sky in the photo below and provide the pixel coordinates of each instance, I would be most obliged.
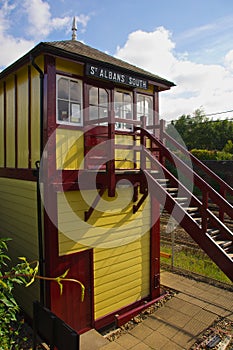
(188, 42)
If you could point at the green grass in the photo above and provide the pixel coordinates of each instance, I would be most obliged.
(196, 262)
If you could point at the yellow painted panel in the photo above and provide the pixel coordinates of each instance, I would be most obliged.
(1, 126)
(121, 275)
(69, 149)
(69, 67)
(10, 125)
(124, 158)
(18, 213)
(22, 147)
(111, 224)
(35, 117)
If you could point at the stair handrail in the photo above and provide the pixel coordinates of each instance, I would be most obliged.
(224, 187)
(218, 199)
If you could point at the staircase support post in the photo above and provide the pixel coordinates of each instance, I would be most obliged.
(110, 166)
(155, 249)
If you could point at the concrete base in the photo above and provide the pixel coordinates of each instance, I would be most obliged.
(92, 340)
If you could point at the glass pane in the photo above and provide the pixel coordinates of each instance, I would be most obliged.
(127, 98)
(103, 97)
(75, 113)
(103, 112)
(63, 88)
(63, 110)
(74, 91)
(93, 112)
(93, 96)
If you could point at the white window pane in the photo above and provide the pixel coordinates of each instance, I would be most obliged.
(63, 88)
(63, 110)
(75, 113)
(75, 91)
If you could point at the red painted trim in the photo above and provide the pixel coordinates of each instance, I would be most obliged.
(19, 174)
(16, 120)
(50, 236)
(50, 196)
(127, 316)
(4, 116)
(67, 180)
(155, 250)
(29, 118)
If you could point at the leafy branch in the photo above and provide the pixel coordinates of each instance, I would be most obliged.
(24, 273)
(25, 270)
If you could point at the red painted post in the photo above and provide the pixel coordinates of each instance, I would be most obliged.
(110, 166)
(221, 211)
(142, 153)
(155, 250)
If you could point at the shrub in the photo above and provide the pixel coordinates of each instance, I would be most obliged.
(204, 154)
(25, 274)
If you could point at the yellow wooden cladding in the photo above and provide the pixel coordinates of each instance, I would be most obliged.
(22, 125)
(1, 125)
(120, 240)
(10, 122)
(17, 130)
(121, 275)
(18, 212)
(112, 223)
(69, 149)
(35, 116)
(65, 66)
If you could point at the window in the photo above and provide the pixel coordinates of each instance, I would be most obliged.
(145, 108)
(69, 101)
(98, 103)
(123, 108)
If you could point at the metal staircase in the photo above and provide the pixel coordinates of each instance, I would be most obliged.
(193, 213)
(172, 189)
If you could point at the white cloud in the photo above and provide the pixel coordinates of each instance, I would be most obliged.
(36, 22)
(11, 47)
(40, 20)
(198, 85)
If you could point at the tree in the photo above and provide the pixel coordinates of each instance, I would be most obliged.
(199, 132)
(228, 148)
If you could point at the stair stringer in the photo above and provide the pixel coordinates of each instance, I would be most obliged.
(185, 220)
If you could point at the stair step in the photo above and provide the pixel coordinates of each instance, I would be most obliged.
(181, 199)
(152, 172)
(191, 209)
(163, 180)
(224, 244)
(172, 189)
(212, 231)
(228, 249)
(196, 219)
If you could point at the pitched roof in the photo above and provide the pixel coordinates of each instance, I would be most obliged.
(84, 53)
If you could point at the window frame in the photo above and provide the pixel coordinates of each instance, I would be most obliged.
(120, 126)
(152, 108)
(99, 107)
(70, 101)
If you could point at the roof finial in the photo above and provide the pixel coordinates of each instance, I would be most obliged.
(74, 29)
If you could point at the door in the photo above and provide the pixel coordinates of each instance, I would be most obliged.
(68, 306)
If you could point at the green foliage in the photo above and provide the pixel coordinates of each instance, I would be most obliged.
(204, 154)
(199, 132)
(25, 274)
(8, 306)
(228, 148)
(194, 261)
